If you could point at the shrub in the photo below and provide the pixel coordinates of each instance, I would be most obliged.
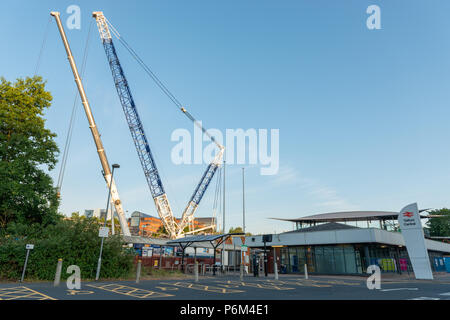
(74, 240)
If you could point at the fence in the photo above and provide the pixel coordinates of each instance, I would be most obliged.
(173, 263)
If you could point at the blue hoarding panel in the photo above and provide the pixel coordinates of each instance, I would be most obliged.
(447, 264)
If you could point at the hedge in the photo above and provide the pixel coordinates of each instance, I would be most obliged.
(74, 240)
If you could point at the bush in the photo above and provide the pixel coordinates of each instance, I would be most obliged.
(75, 241)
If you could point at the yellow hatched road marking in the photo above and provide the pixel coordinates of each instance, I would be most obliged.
(273, 286)
(343, 283)
(201, 287)
(22, 293)
(78, 292)
(167, 288)
(306, 283)
(130, 291)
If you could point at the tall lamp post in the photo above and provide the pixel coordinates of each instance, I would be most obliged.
(114, 166)
(243, 201)
(223, 227)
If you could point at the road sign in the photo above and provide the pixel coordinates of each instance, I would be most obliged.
(244, 248)
(103, 232)
(28, 247)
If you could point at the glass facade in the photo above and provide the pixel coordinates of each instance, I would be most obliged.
(350, 259)
(337, 259)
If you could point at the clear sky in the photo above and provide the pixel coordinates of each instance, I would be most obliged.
(363, 114)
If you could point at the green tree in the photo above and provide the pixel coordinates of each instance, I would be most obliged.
(27, 149)
(439, 226)
(238, 230)
(75, 214)
(161, 232)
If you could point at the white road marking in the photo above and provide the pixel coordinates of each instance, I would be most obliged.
(397, 289)
(445, 294)
(425, 298)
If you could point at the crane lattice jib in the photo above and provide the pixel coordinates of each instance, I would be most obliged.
(134, 122)
(136, 128)
(204, 182)
(188, 213)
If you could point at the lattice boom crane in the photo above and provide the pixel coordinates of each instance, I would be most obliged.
(136, 128)
(140, 140)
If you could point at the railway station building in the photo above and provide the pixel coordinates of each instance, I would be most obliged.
(344, 243)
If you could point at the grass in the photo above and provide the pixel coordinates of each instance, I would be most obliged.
(148, 273)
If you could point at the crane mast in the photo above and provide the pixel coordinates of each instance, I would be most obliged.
(136, 128)
(95, 134)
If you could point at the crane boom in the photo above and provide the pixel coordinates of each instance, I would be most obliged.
(136, 129)
(95, 134)
(188, 213)
(162, 204)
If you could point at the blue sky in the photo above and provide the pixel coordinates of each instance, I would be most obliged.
(363, 114)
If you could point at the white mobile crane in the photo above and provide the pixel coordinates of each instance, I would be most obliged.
(98, 142)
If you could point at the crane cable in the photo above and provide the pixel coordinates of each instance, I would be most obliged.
(44, 41)
(72, 117)
(158, 82)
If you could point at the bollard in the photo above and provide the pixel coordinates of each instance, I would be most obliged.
(58, 273)
(196, 271)
(138, 271)
(306, 272)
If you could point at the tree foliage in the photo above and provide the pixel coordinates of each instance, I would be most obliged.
(26, 149)
(238, 230)
(439, 226)
(74, 240)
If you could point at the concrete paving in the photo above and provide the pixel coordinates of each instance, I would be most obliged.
(288, 287)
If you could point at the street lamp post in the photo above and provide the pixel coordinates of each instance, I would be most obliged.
(243, 201)
(114, 166)
(223, 227)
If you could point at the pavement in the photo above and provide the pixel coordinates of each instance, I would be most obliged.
(287, 287)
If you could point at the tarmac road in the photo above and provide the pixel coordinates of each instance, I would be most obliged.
(288, 287)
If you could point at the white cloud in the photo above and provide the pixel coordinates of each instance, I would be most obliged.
(322, 196)
(325, 197)
(285, 175)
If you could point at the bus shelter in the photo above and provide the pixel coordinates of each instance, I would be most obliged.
(215, 240)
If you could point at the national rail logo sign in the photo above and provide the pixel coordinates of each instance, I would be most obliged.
(408, 214)
(412, 232)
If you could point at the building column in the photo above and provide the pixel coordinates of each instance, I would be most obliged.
(367, 256)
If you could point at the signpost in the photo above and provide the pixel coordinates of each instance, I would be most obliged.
(412, 232)
(102, 233)
(28, 247)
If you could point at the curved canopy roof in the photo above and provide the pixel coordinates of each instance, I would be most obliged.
(348, 216)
